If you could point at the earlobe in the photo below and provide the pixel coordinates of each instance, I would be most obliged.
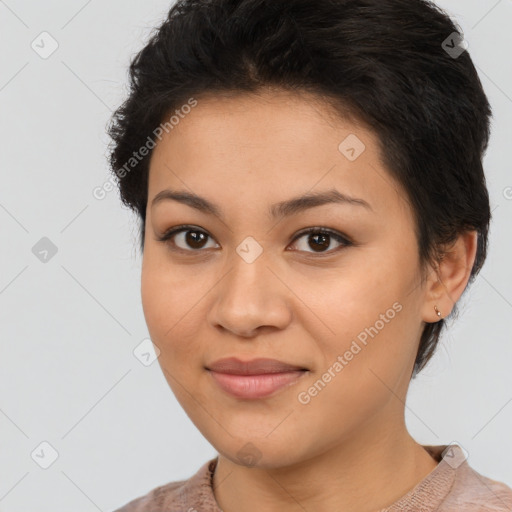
(450, 277)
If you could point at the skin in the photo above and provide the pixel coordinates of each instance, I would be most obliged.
(348, 448)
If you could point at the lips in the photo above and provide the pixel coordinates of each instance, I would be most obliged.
(255, 379)
(260, 366)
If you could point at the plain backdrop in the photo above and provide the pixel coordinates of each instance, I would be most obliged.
(70, 309)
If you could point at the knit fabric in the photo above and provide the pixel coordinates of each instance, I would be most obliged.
(452, 486)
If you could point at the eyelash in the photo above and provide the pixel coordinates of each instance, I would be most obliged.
(169, 234)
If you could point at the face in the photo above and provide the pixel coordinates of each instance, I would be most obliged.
(341, 304)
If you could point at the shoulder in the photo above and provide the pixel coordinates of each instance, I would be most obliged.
(178, 495)
(162, 496)
(477, 493)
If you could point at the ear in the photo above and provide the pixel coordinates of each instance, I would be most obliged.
(447, 282)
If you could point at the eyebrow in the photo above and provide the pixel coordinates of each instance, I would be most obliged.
(276, 211)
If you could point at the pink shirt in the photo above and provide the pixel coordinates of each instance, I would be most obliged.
(453, 486)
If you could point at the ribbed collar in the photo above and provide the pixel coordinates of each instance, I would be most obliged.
(427, 495)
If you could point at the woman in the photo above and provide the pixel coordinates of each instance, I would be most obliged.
(308, 177)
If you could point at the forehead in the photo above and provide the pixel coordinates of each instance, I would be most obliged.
(269, 145)
(270, 117)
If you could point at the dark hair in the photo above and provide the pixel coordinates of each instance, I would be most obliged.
(395, 65)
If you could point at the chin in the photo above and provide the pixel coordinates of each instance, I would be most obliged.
(262, 453)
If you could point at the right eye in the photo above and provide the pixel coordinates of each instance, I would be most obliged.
(179, 237)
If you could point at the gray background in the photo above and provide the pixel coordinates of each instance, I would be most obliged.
(69, 326)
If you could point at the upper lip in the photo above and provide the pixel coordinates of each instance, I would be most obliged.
(258, 366)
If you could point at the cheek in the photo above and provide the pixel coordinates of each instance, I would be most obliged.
(163, 295)
(155, 300)
(375, 325)
(361, 377)
(165, 312)
(170, 310)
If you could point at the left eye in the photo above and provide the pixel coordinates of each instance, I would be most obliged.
(318, 239)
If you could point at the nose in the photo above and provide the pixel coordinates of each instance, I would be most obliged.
(250, 299)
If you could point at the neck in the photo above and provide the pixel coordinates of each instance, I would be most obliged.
(363, 475)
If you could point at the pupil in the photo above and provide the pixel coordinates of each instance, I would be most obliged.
(192, 240)
(323, 238)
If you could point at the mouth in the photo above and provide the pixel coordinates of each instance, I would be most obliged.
(254, 379)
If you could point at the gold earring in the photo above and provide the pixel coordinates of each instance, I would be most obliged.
(437, 311)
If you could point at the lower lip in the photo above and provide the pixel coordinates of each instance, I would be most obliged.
(255, 386)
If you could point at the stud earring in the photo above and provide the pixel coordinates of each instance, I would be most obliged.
(437, 311)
